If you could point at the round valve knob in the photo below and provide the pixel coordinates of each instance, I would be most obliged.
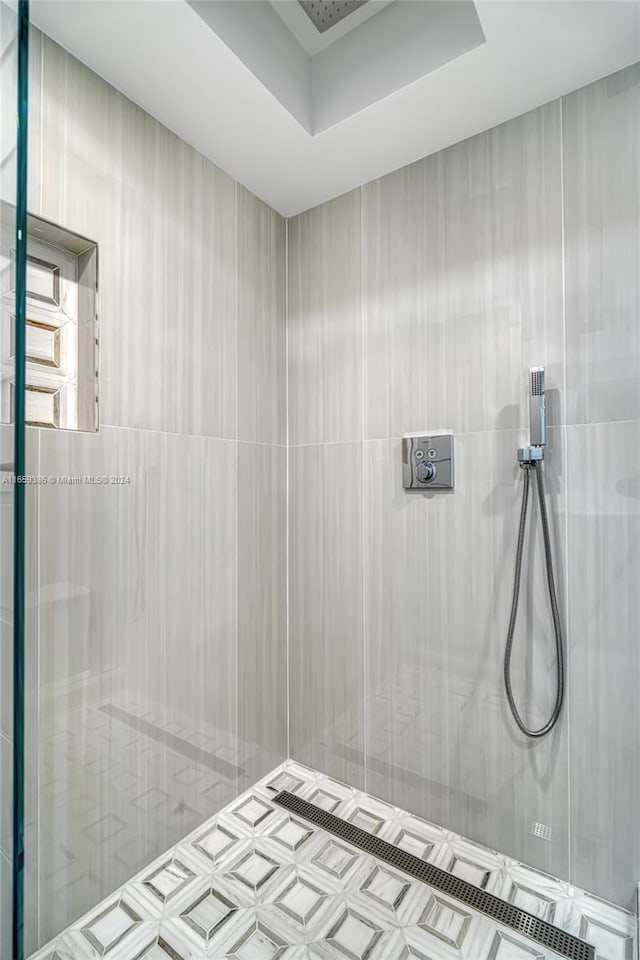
(426, 471)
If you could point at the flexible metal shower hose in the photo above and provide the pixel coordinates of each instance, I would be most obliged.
(557, 627)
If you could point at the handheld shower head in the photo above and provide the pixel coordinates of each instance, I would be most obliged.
(537, 411)
(537, 420)
(530, 459)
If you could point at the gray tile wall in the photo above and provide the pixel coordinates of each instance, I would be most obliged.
(602, 244)
(325, 608)
(6, 689)
(159, 617)
(159, 613)
(324, 323)
(418, 303)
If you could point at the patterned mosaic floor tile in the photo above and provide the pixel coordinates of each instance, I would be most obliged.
(256, 882)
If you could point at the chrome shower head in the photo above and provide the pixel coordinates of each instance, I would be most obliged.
(326, 13)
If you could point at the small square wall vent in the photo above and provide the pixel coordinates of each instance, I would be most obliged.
(326, 13)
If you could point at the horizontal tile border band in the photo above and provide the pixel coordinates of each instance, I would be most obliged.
(544, 933)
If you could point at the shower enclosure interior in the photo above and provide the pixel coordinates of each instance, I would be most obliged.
(221, 567)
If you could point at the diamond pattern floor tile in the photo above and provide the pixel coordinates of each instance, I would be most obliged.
(168, 879)
(116, 922)
(256, 882)
(352, 935)
(215, 842)
(209, 913)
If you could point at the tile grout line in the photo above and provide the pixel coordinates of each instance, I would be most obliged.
(363, 579)
(566, 495)
(469, 433)
(319, 443)
(166, 433)
(41, 98)
(37, 698)
(237, 473)
(287, 498)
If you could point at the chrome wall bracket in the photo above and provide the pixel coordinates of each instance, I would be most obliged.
(529, 454)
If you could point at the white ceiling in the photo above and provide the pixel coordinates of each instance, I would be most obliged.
(355, 68)
(165, 57)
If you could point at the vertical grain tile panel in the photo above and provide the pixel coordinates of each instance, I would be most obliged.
(261, 322)
(462, 282)
(6, 679)
(165, 221)
(31, 661)
(5, 907)
(6, 804)
(262, 614)
(325, 322)
(438, 582)
(601, 131)
(8, 95)
(325, 620)
(32, 699)
(137, 656)
(34, 164)
(604, 676)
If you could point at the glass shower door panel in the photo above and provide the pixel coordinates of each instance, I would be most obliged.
(8, 151)
(14, 21)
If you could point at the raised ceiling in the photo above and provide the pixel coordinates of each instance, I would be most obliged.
(359, 64)
(299, 121)
(308, 37)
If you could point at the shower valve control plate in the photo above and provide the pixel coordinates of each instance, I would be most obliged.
(427, 462)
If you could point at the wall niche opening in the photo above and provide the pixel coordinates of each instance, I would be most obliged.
(61, 327)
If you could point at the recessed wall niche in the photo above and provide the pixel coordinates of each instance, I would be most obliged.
(61, 327)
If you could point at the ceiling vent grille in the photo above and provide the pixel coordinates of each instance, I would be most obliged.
(326, 13)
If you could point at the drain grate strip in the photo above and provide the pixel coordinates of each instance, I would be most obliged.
(499, 910)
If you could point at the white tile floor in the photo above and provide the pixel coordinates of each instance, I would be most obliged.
(257, 883)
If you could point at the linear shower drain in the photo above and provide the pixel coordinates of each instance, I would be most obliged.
(562, 943)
